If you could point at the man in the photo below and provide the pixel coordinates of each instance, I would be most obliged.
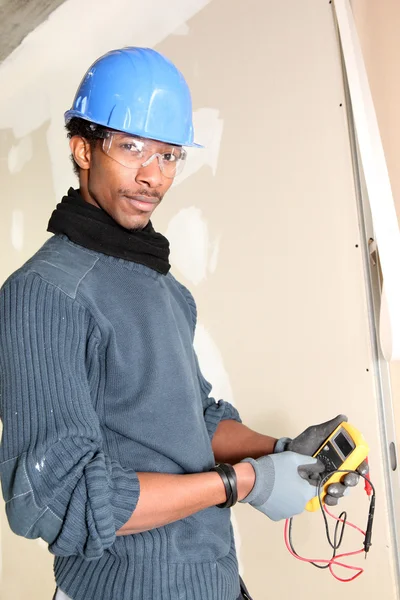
(110, 437)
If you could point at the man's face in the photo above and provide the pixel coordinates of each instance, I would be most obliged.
(128, 195)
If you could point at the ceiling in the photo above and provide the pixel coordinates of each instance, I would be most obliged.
(18, 18)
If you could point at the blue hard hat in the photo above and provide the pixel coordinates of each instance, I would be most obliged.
(138, 91)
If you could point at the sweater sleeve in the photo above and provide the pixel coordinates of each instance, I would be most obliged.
(57, 481)
(214, 412)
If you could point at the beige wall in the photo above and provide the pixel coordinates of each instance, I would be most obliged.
(263, 229)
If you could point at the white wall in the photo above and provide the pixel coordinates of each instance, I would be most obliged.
(263, 230)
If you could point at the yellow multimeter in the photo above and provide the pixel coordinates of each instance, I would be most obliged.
(344, 449)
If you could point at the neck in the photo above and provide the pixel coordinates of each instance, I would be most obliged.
(84, 189)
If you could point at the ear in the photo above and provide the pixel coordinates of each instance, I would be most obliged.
(81, 151)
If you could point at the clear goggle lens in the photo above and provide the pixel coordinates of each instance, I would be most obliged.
(135, 152)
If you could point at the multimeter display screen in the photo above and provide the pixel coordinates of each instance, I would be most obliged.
(343, 444)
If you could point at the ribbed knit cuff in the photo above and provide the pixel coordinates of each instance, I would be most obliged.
(217, 412)
(265, 479)
(126, 495)
(230, 412)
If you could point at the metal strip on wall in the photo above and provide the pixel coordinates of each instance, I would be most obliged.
(373, 297)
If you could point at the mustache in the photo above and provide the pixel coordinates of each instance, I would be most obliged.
(146, 193)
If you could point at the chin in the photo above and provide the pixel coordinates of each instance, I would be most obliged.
(136, 222)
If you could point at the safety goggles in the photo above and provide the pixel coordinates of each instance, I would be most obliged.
(135, 152)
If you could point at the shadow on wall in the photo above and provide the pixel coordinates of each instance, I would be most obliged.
(27, 190)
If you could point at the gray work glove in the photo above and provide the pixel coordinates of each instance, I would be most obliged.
(284, 484)
(309, 442)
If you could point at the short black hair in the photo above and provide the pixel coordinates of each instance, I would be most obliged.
(90, 131)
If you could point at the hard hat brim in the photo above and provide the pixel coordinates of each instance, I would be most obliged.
(70, 114)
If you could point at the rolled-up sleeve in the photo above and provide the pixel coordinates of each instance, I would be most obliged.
(214, 412)
(57, 481)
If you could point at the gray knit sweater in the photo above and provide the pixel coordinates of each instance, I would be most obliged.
(99, 381)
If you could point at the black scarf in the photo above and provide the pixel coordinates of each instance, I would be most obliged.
(93, 228)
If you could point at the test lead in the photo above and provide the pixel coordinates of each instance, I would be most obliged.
(368, 533)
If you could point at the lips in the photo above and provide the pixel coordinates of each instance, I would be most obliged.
(143, 203)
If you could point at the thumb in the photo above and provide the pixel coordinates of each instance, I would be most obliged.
(311, 472)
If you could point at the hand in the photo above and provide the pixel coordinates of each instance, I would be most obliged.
(284, 484)
(336, 491)
(309, 442)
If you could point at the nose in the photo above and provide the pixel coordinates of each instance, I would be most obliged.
(150, 175)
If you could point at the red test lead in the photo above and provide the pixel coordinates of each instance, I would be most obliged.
(336, 559)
